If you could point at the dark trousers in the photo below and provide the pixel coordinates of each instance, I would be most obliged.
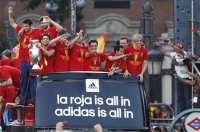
(184, 96)
(27, 84)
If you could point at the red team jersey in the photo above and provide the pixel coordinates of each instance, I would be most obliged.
(117, 64)
(61, 60)
(16, 63)
(46, 63)
(7, 72)
(93, 63)
(77, 56)
(51, 31)
(24, 40)
(7, 62)
(135, 59)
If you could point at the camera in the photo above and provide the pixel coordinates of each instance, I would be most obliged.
(166, 40)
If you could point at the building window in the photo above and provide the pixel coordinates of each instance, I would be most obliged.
(111, 4)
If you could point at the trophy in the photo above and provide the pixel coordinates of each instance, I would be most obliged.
(34, 54)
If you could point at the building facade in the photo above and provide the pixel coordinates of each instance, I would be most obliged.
(117, 17)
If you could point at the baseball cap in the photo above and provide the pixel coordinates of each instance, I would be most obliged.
(180, 45)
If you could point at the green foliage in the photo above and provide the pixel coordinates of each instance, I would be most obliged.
(3, 43)
(63, 10)
(32, 4)
(62, 13)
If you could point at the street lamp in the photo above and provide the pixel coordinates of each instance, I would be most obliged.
(79, 4)
(52, 8)
(155, 62)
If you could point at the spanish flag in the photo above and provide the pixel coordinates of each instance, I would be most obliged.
(101, 42)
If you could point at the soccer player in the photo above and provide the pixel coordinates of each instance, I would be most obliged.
(137, 60)
(61, 60)
(45, 22)
(93, 58)
(26, 33)
(6, 58)
(115, 65)
(9, 84)
(47, 56)
(77, 53)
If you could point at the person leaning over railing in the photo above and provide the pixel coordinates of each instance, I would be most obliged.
(184, 90)
(195, 83)
(186, 61)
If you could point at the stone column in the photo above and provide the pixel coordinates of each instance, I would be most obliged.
(167, 82)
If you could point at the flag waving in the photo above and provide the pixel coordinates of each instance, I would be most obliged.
(101, 42)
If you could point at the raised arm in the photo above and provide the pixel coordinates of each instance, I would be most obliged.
(161, 49)
(177, 49)
(58, 26)
(10, 17)
(53, 41)
(71, 43)
(113, 58)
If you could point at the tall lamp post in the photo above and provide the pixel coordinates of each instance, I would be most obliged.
(74, 5)
(73, 17)
(154, 69)
(147, 29)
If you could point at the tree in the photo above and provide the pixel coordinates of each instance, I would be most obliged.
(61, 13)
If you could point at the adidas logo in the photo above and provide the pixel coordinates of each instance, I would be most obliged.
(92, 86)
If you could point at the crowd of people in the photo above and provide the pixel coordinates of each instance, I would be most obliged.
(59, 54)
(182, 60)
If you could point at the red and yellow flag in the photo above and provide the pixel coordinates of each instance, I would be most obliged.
(101, 42)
